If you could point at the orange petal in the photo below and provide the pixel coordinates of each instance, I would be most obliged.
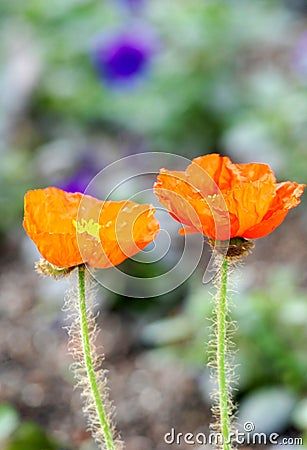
(206, 214)
(213, 216)
(48, 215)
(256, 172)
(286, 198)
(266, 226)
(187, 230)
(249, 203)
(220, 169)
(59, 249)
(71, 229)
(176, 181)
(288, 194)
(176, 193)
(126, 229)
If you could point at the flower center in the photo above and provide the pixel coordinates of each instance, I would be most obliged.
(234, 249)
(88, 226)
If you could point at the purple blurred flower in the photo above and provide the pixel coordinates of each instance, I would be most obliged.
(79, 181)
(299, 57)
(123, 58)
(133, 5)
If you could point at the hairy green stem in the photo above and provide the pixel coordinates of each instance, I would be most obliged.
(221, 317)
(89, 363)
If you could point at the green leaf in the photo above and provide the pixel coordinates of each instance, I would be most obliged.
(30, 436)
(8, 420)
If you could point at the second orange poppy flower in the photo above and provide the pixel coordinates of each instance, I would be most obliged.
(224, 200)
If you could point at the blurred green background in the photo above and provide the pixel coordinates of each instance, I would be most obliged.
(85, 83)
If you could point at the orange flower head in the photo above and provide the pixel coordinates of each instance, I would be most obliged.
(224, 200)
(72, 228)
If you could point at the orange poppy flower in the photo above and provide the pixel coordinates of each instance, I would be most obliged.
(224, 200)
(71, 228)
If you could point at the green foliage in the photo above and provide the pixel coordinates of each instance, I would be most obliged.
(8, 420)
(184, 335)
(30, 436)
(18, 435)
(15, 176)
(271, 333)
